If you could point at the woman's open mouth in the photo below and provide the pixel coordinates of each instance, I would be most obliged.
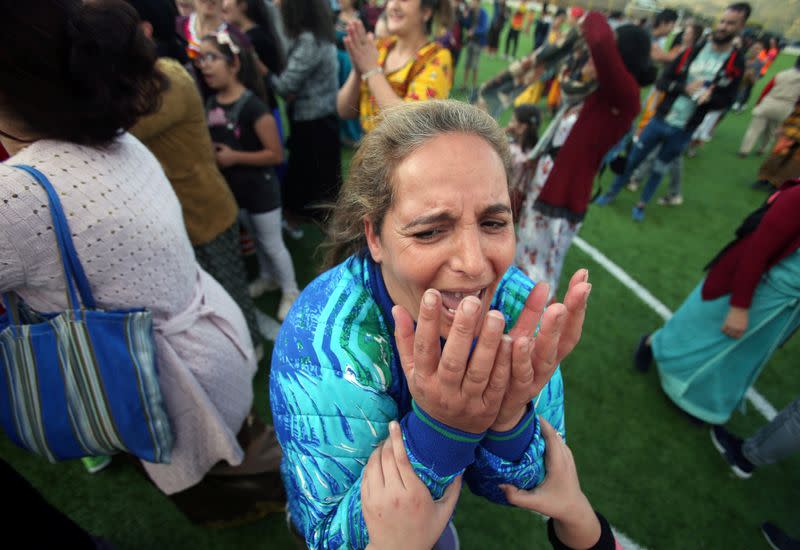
(452, 298)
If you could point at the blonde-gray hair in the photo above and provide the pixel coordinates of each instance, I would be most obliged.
(368, 192)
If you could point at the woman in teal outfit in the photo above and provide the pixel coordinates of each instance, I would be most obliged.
(715, 346)
(421, 319)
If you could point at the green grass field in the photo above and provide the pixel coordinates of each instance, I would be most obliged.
(656, 477)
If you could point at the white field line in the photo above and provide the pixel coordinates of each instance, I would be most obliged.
(758, 401)
(624, 540)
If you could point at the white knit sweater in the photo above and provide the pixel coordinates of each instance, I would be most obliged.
(129, 234)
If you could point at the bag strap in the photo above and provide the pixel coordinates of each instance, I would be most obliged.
(237, 108)
(73, 270)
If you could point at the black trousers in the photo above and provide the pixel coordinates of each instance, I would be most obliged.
(315, 166)
(512, 36)
(51, 528)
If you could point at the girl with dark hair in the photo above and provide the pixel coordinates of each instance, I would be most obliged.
(407, 66)
(523, 129)
(309, 84)
(88, 75)
(247, 147)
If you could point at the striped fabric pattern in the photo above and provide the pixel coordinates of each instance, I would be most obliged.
(104, 407)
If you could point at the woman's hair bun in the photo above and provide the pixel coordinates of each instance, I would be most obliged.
(89, 72)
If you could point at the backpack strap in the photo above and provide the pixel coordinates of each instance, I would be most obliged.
(236, 110)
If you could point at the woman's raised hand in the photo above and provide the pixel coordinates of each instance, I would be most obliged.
(397, 506)
(361, 46)
(535, 358)
(492, 385)
(459, 386)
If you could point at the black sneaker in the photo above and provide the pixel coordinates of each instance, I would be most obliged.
(730, 447)
(762, 185)
(643, 356)
(777, 538)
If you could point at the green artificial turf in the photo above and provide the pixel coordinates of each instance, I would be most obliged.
(655, 476)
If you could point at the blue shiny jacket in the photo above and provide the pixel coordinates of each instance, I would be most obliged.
(335, 385)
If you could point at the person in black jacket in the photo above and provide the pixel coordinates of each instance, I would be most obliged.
(703, 78)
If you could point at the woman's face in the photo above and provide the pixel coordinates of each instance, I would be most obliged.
(233, 12)
(406, 17)
(589, 71)
(209, 8)
(217, 71)
(688, 37)
(185, 7)
(449, 228)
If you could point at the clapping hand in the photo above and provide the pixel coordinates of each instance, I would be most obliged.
(361, 46)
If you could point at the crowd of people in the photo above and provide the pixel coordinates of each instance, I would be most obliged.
(427, 351)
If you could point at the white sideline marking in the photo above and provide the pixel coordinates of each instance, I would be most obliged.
(623, 539)
(758, 401)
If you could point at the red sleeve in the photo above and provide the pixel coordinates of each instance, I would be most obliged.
(616, 85)
(779, 227)
(766, 90)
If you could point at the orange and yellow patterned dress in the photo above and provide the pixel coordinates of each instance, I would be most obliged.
(426, 76)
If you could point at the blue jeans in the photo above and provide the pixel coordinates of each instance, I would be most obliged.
(657, 132)
(777, 440)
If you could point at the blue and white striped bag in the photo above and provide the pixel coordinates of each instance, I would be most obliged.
(82, 382)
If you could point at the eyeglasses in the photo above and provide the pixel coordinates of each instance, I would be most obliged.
(208, 57)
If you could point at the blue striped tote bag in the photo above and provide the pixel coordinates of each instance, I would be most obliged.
(80, 382)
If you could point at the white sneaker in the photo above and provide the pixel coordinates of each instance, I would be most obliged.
(632, 186)
(671, 200)
(294, 232)
(260, 286)
(287, 300)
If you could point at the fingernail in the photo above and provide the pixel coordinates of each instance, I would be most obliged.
(526, 345)
(585, 275)
(394, 426)
(470, 305)
(429, 298)
(588, 291)
(495, 320)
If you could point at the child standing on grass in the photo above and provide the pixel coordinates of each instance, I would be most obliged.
(247, 147)
(523, 129)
